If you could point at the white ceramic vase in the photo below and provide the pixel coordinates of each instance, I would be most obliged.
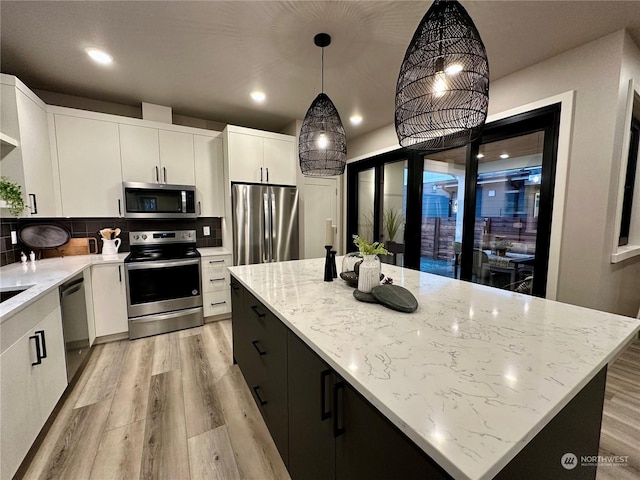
(110, 247)
(369, 273)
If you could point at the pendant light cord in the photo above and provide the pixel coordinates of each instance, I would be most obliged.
(322, 74)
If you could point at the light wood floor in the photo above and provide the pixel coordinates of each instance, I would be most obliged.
(173, 406)
(166, 407)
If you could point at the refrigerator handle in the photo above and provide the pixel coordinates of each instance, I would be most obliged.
(266, 255)
(272, 234)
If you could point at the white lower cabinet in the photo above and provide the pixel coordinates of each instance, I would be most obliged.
(216, 291)
(109, 299)
(33, 378)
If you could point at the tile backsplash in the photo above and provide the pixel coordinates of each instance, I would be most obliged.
(88, 227)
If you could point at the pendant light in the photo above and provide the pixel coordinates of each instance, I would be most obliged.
(322, 147)
(442, 92)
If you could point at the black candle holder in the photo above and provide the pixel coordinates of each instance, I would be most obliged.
(334, 270)
(328, 269)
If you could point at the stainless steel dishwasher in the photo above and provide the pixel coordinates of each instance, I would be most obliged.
(74, 324)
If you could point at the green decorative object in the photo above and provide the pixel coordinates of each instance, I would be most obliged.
(366, 248)
(395, 297)
(392, 220)
(10, 192)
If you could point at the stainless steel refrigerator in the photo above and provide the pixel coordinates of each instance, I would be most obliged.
(265, 223)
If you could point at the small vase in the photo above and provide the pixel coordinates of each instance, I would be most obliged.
(369, 273)
(110, 247)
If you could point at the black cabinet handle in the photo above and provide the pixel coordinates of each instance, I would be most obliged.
(260, 401)
(338, 429)
(164, 172)
(255, 344)
(38, 353)
(257, 312)
(261, 174)
(119, 209)
(324, 414)
(157, 175)
(218, 303)
(216, 261)
(119, 274)
(199, 208)
(235, 287)
(44, 343)
(267, 174)
(216, 279)
(34, 205)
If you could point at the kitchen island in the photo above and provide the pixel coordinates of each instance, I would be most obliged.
(481, 380)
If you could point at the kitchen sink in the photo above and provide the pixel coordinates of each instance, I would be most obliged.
(10, 292)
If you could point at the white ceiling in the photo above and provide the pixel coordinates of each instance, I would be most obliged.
(203, 58)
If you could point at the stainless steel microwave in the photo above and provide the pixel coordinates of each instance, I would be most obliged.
(158, 200)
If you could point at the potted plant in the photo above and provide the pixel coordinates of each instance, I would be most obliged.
(392, 220)
(10, 192)
(369, 270)
(501, 246)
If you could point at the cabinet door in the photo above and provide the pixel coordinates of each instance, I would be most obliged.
(36, 158)
(279, 161)
(89, 165)
(52, 376)
(19, 409)
(140, 154)
(30, 392)
(209, 176)
(176, 158)
(109, 299)
(311, 443)
(246, 155)
(370, 447)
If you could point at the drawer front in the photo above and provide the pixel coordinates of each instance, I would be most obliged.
(216, 303)
(214, 281)
(216, 265)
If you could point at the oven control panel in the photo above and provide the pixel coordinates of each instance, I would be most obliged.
(162, 237)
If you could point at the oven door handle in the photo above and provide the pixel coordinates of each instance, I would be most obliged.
(161, 264)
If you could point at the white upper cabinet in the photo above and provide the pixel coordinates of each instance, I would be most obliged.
(209, 176)
(260, 157)
(140, 154)
(26, 157)
(150, 155)
(88, 154)
(176, 158)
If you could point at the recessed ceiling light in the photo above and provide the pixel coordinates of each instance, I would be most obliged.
(99, 56)
(480, 155)
(258, 96)
(504, 155)
(355, 119)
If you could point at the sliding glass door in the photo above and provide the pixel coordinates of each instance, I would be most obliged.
(481, 213)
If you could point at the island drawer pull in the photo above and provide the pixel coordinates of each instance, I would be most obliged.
(338, 428)
(260, 401)
(218, 303)
(255, 344)
(257, 312)
(324, 414)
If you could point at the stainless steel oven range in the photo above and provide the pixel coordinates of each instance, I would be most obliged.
(164, 290)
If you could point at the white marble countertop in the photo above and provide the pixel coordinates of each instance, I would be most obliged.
(42, 276)
(471, 377)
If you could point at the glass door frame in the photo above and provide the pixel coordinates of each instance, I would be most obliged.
(546, 119)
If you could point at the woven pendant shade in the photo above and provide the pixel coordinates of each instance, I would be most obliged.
(323, 144)
(322, 147)
(442, 93)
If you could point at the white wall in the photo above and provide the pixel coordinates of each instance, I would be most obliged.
(598, 72)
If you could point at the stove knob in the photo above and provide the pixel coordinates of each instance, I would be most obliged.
(189, 234)
(144, 236)
(136, 237)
